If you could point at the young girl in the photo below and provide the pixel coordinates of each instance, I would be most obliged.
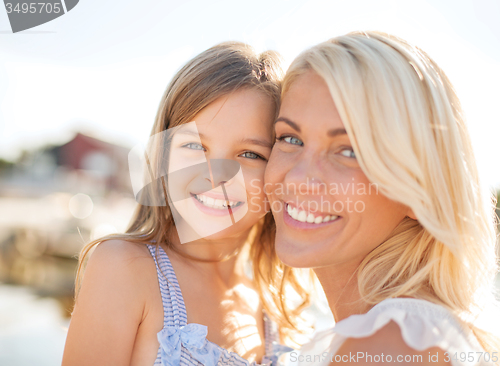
(391, 217)
(173, 289)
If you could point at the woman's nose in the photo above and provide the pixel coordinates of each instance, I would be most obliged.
(306, 176)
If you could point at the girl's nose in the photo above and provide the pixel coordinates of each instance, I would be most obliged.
(220, 171)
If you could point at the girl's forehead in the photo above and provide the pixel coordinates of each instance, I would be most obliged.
(237, 115)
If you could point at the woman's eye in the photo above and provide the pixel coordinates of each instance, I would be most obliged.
(194, 146)
(291, 140)
(348, 153)
(251, 155)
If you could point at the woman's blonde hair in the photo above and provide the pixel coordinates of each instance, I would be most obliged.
(216, 72)
(407, 128)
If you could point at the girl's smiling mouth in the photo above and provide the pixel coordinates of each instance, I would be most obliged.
(216, 205)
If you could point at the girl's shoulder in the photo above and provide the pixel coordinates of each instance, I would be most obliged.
(119, 265)
(111, 304)
(402, 326)
(123, 249)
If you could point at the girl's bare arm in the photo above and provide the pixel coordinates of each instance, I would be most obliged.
(109, 307)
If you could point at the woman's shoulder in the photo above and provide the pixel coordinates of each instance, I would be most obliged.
(388, 345)
(412, 315)
(420, 324)
(399, 327)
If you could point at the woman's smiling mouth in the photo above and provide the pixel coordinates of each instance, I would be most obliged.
(302, 219)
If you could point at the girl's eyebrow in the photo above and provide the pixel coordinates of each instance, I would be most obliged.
(330, 133)
(190, 133)
(258, 142)
(247, 140)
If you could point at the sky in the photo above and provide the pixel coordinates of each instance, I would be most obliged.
(102, 67)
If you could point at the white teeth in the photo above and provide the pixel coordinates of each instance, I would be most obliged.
(214, 203)
(303, 216)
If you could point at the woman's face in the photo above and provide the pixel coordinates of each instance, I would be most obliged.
(217, 164)
(326, 211)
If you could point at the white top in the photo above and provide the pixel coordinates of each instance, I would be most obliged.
(422, 323)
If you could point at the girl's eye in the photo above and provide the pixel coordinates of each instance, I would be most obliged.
(194, 146)
(251, 155)
(348, 153)
(290, 140)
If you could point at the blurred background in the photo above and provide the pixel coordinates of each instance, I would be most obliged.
(78, 92)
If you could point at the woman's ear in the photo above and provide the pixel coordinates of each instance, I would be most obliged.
(410, 214)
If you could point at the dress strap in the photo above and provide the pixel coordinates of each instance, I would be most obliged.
(174, 309)
(271, 334)
(175, 321)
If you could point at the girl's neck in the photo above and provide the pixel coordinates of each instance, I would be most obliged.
(223, 257)
(340, 285)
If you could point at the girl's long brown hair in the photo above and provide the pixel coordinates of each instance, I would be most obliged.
(216, 72)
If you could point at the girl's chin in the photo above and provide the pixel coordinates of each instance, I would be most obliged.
(193, 224)
(211, 228)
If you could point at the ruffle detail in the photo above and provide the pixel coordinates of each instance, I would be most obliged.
(423, 325)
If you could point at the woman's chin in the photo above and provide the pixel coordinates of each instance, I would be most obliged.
(295, 256)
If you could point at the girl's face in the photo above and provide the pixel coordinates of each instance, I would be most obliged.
(326, 211)
(217, 165)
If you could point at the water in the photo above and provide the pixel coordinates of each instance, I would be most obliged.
(32, 329)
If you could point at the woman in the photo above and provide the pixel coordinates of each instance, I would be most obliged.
(373, 184)
(149, 295)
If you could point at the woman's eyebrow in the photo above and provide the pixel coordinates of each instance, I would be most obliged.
(330, 133)
(288, 122)
(336, 132)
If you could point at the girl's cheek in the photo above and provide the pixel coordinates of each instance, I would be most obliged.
(255, 192)
(254, 178)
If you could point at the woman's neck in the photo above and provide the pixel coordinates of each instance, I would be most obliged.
(340, 285)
